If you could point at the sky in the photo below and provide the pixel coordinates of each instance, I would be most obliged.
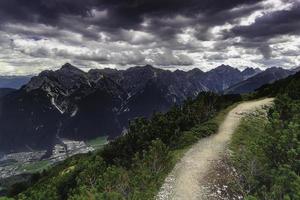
(171, 34)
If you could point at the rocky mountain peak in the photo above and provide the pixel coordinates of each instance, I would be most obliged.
(195, 71)
(225, 69)
(103, 100)
(257, 70)
(146, 68)
(296, 69)
(68, 68)
(149, 67)
(66, 80)
(274, 68)
(179, 72)
(249, 72)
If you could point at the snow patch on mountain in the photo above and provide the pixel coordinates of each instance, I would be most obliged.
(73, 114)
(56, 106)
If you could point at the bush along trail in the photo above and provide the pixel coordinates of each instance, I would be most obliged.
(187, 179)
(266, 148)
(264, 153)
(263, 158)
(135, 165)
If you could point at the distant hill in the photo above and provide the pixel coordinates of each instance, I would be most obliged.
(13, 81)
(147, 150)
(289, 86)
(249, 72)
(221, 78)
(251, 84)
(74, 104)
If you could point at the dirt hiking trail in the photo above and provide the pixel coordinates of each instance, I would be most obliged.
(186, 179)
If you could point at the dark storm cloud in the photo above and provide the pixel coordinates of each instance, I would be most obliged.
(272, 24)
(259, 46)
(167, 33)
(42, 11)
(266, 51)
(259, 34)
(163, 15)
(220, 18)
(128, 14)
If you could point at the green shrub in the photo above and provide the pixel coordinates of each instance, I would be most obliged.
(134, 165)
(266, 152)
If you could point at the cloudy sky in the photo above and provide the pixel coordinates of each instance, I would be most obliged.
(172, 34)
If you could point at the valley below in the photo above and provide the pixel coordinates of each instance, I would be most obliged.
(141, 121)
(149, 100)
(29, 162)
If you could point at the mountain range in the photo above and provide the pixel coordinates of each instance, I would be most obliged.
(270, 75)
(71, 103)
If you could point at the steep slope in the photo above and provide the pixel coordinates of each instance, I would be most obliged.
(74, 104)
(62, 103)
(289, 86)
(151, 89)
(143, 155)
(152, 98)
(221, 78)
(27, 120)
(71, 103)
(268, 76)
(179, 84)
(249, 72)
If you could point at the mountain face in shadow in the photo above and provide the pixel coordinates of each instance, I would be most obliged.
(268, 76)
(71, 103)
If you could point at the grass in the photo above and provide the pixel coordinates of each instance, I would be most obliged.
(251, 126)
(68, 170)
(98, 142)
(179, 153)
(243, 142)
(39, 166)
(36, 166)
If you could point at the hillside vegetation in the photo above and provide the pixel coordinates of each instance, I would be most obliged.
(134, 165)
(266, 152)
(266, 149)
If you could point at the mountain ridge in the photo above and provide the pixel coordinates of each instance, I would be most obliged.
(74, 104)
(270, 75)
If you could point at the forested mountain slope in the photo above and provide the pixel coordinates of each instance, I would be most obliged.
(266, 149)
(134, 165)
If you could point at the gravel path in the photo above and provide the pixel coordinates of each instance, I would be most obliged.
(186, 180)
